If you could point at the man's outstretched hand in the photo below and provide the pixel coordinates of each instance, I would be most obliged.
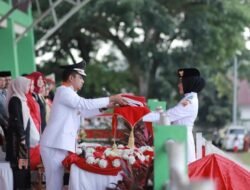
(116, 100)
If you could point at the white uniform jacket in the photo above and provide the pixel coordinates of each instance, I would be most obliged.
(64, 121)
(185, 113)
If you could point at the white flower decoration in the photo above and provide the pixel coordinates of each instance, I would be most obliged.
(131, 160)
(90, 160)
(120, 146)
(113, 153)
(88, 154)
(144, 148)
(127, 152)
(102, 163)
(141, 158)
(97, 160)
(125, 156)
(116, 163)
(78, 151)
(91, 150)
(149, 148)
(107, 152)
(120, 151)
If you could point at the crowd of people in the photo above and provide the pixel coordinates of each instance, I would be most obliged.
(36, 125)
(41, 127)
(25, 104)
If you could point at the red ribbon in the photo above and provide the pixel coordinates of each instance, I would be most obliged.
(73, 158)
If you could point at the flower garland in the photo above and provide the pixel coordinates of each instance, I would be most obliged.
(106, 156)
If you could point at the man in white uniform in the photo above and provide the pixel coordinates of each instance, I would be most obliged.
(59, 136)
(185, 112)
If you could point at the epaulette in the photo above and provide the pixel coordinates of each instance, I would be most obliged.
(190, 97)
(185, 102)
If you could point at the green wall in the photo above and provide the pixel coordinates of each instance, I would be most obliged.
(162, 134)
(8, 50)
(19, 57)
(26, 54)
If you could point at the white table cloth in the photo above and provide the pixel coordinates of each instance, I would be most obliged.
(83, 180)
(6, 176)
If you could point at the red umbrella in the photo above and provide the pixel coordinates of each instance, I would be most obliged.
(226, 174)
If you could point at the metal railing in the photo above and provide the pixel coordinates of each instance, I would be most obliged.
(178, 178)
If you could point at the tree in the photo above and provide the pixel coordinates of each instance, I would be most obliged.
(146, 32)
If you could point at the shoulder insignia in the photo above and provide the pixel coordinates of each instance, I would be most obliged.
(185, 102)
(190, 97)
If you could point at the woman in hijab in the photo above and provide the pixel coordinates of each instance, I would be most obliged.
(39, 85)
(17, 151)
(35, 127)
(186, 111)
(33, 105)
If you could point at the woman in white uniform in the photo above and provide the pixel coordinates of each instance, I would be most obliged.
(186, 111)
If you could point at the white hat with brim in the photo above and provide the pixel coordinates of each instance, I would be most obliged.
(79, 68)
(80, 72)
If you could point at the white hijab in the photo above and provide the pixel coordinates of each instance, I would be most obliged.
(19, 88)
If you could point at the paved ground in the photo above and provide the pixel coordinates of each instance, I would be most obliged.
(243, 157)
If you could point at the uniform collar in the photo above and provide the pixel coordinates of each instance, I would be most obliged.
(69, 86)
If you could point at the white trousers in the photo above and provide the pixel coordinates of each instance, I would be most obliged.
(52, 160)
(190, 145)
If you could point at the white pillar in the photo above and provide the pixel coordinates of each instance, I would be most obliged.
(199, 144)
